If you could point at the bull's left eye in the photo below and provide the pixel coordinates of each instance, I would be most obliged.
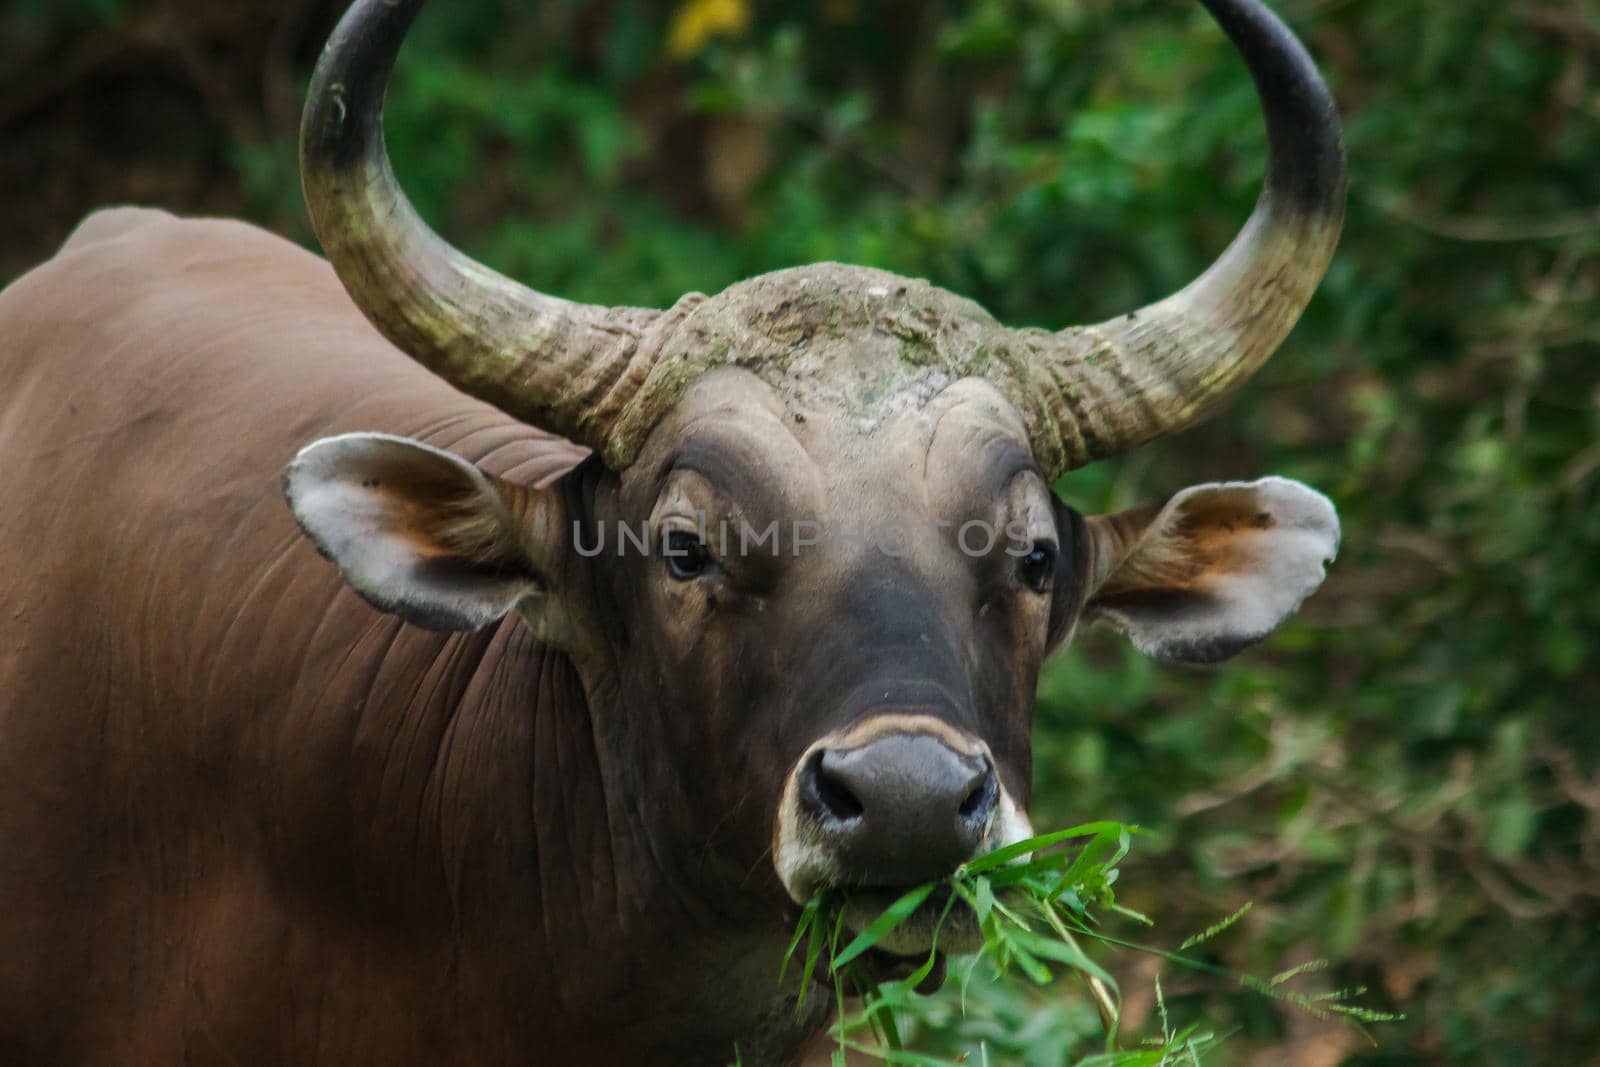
(686, 555)
(1036, 568)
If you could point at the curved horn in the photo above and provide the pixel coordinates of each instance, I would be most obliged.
(565, 367)
(1119, 383)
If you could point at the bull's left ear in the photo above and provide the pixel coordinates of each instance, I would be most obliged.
(1214, 569)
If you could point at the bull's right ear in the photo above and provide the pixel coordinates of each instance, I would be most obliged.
(421, 533)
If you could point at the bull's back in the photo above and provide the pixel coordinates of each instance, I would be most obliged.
(177, 667)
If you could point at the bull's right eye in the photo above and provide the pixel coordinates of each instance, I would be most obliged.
(686, 555)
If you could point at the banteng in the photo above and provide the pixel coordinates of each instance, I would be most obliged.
(500, 785)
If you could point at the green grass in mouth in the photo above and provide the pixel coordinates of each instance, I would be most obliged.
(1034, 903)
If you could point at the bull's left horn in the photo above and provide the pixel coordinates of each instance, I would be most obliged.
(1100, 390)
(565, 367)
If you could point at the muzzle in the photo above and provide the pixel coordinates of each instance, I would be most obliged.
(888, 803)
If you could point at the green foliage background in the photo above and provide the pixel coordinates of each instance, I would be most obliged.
(1405, 779)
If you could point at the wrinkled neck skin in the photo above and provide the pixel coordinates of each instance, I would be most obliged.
(639, 941)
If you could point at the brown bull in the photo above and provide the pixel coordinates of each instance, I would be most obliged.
(621, 709)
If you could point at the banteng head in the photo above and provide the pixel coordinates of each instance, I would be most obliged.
(813, 567)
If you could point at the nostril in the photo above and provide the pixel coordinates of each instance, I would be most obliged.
(980, 802)
(839, 801)
(828, 796)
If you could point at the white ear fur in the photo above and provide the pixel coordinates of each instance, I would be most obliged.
(1220, 567)
(375, 505)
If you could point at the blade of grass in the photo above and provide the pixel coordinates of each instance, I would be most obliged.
(892, 916)
(1001, 856)
(808, 919)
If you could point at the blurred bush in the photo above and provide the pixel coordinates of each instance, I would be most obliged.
(1404, 780)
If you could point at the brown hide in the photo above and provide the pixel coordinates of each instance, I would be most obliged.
(243, 817)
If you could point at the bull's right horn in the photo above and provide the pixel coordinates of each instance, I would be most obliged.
(565, 367)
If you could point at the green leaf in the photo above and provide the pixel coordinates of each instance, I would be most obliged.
(892, 916)
(1002, 856)
(983, 899)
